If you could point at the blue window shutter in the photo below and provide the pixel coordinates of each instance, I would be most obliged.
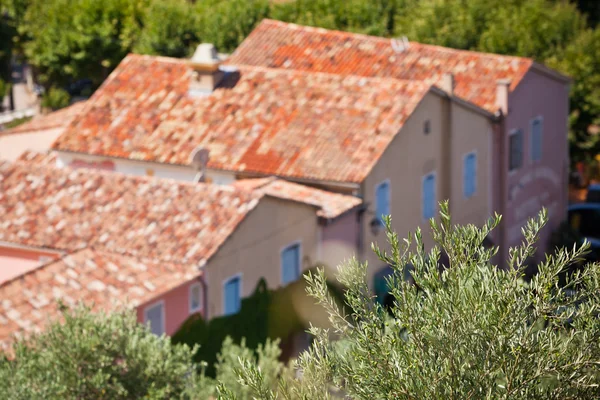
(470, 175)
(429, 196)
(232, 296)
(290, 264)
(382, 201)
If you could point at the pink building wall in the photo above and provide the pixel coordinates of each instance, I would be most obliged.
(543, 183)
(176, 303)
(17, 261)
(339, 239)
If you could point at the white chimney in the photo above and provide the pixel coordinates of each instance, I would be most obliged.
(206, 72)
(502, 90)
(447, 83)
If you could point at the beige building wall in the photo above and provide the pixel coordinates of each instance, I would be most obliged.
(413, 154)
(471, 132)
(253, 250)
(408, 159)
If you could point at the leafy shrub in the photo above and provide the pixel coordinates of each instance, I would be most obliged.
(469, 331)
(56, 98)
(92, 356)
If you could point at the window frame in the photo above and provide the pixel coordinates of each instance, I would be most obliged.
(423, 179)
(225, 282)
(191, 309)
(281, 251)
(163, 320)
(512, 133)
(539, 119)
(471, 153)
(389, 199)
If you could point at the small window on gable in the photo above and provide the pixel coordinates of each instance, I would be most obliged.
(470, 175)
(232, 295)
(195, 297)
(154, 317)
(290, 264)
(428, 196)
(382, 200)
(536, 139)
(427, 127)
(515, 150)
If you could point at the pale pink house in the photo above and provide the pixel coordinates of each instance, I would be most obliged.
(166, 248)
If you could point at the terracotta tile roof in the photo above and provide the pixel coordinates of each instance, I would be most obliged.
(56, 119)
(275, 122)
(37, 158)
(99, 279)
(330, 205)
(158, 219)
(276, 44)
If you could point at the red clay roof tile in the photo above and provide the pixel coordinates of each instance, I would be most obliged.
(96, 278)
(276, 44)
(331, 205)
(276, 122)
(138, 216)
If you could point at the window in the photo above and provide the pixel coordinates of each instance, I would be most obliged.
(429, 196)
(154, 316)
(290, 264)
(516, 150)
(195, 297)
(536, 139)
(470, 175)
(427, 127)
(232, 301)
(382, 200)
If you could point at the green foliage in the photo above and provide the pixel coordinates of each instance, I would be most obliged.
(374, 17)
(225, 23)
(56, 98)
(170, 29)
(581, 61)
(470, 331)
(16, 122)
(92, 356)
(250, 324)
(73, 39)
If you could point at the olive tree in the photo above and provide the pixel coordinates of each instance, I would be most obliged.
(469, 331)
(94, 356)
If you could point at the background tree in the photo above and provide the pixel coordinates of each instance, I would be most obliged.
(170, 29)
(74, 39)
(471, 331)
(93, 356)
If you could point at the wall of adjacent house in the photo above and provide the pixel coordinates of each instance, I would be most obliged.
(140, 168)
(17, 261)
(176, 306)
(339, 240)
(454, 131)
(471, 133)
(13, 145)
(254, 250)
(542, 183)
(411, 155)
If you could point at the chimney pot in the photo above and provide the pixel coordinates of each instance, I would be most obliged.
(502, 90)
(447, 84)
(206, 74)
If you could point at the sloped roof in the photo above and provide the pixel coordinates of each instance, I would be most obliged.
(276, 122)
(276, 44)
(96, 278)
(53, 120)
(38, 158)
(158, 219)
(330, 205)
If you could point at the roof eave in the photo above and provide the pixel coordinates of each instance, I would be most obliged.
(551, 73)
